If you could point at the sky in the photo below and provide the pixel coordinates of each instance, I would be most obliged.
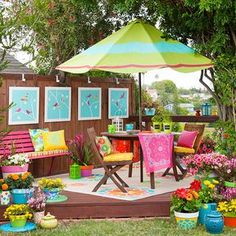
(182, 80)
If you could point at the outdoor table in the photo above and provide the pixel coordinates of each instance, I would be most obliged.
(131, 137)
(155, 156)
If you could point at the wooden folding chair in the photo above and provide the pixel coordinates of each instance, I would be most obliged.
(183, 151)
(111, 164)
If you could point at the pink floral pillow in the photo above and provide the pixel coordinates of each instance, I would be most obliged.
(187, 139)
(104, 145)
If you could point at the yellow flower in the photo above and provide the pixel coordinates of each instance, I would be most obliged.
(215, 181)
(206, 182)
(212, 186)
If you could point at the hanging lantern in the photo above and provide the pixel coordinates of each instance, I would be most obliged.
(118, 122)
(206, 109)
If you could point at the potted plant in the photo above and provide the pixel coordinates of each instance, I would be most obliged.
(18, 215)
(228, 209)
(149, 108)
(227, 175)
(82, 155)
(20, 186)
(4, 192)
(167, 122)
(51, 187)
(37, 204)
(157, 122)
(207, 194)
(17, 163)
(186, 203)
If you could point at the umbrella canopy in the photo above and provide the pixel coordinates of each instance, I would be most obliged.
(137, 47)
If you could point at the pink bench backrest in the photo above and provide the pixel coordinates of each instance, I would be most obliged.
(21, 140)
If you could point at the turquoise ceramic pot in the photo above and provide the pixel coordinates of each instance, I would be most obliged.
(21, 196)
(204, 210)
(214, 222)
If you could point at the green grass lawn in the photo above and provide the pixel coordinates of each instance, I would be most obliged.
(129, 227)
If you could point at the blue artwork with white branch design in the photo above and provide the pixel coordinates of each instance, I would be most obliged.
(118, 102)
(25, 105)
(89, 103)
(57, 104)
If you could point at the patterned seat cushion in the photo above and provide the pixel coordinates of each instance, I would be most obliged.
(125, 156)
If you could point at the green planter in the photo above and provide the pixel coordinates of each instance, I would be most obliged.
(157, 126)
(167, 127)
(18, 221)
(230, 184)
(75, 171)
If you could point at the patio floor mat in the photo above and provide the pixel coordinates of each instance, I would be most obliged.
(136, 190)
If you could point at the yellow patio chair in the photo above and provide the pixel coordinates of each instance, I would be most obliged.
(111, 163)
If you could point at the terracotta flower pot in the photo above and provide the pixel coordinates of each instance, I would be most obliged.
(230, 221)
(86, 171)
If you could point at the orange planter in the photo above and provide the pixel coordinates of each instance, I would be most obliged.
(230, 221)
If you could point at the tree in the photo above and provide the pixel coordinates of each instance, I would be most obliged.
(209, 27)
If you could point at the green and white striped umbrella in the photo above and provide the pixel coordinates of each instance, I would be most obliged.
(137, 47)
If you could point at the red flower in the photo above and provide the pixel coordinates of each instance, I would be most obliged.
(181, 192)
(196, 185)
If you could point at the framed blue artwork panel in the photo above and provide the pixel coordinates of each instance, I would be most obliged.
(89, 103)
(57, 104)
(25, 109)
(118, 103)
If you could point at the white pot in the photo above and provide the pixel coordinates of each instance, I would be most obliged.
(186, 220)
(38, 216)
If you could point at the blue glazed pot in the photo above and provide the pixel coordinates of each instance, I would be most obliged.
(52, 194)
(21, 196)
(149, 111)
(204, 210)
(214, 222)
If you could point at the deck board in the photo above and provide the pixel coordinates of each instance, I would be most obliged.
(86, 206)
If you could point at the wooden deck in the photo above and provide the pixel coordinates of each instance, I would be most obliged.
(86, 206)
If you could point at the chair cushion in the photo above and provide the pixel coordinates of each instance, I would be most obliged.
(179, 149)
(54, 140)
(125, 156)
(104, 145)
(36, 136)
(187, 139)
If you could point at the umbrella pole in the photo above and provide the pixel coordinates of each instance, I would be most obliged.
(140, 100)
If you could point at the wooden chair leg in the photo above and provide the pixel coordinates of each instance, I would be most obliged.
(174, 168)
(166, 172)
(130, 170)
(100, 183)
(122, 189)
(121, 180)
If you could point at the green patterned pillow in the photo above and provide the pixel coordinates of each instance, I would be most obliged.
(37, 138)
(104, 145)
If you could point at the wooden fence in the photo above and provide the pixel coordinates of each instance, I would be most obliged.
(72, 127)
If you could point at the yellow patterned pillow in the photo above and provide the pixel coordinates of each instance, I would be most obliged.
(54, 140)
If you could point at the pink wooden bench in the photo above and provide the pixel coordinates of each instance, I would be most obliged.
(23, 144)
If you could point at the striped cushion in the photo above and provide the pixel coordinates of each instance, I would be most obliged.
(179, 149)
(46, 153)
(125, 156)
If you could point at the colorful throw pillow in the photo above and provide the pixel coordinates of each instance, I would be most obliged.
(54, 140)
(104, 145)
(187, 139)
(36, 136)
